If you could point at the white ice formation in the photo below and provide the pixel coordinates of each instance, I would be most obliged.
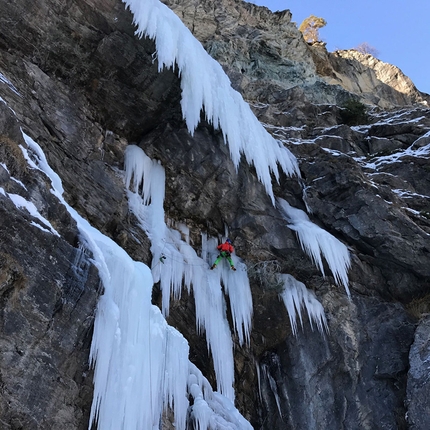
(141, 363)
(317, 242)
(206, 87)
(175, 262)
(297, 297)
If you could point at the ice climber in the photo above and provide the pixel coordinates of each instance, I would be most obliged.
(226, 250)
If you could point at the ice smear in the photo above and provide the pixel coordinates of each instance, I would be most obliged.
(175, 262)
(272, 385)
(297, 297)
(19, 182)
(409, 194)
(316, 241)
(206, 87)
(22, 203)
(42, 165)
(6, 81)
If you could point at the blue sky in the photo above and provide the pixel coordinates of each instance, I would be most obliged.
(398, 29)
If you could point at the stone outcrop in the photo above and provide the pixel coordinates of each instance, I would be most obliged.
(264, 53)
(376, 82)
(76, 80)
(250, 41)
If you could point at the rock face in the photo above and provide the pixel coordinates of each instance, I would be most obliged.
(48, 288)
(76, 80)
(417, 388)
(250, 41)
(377, 82)
(264, 53)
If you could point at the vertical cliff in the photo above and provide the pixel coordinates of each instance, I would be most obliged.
(75, 78)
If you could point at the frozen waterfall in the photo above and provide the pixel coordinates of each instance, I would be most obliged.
(141, 363)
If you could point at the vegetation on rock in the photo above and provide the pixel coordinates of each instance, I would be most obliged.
(354, 112)
(366, 48)
(310, 28)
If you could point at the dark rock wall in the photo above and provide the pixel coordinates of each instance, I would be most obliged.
(418, 386)
(84, 88)
(48, 288)
(353, 378)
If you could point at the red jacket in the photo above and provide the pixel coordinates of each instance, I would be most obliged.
(226, 247)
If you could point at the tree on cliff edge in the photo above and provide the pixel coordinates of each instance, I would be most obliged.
(310, 28)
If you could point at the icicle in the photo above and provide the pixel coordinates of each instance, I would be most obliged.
(210, 410)
(296, 296)
(237, 287)
(141, 364)
(205, 86)
(184, 229)
(316, 241)
(182, 264)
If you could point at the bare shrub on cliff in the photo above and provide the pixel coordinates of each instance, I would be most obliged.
(267, 274)
(365, 48)
(310, 28)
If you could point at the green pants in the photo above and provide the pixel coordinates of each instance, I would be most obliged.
(222, 255)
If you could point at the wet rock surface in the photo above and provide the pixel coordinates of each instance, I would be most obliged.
(83, 87)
